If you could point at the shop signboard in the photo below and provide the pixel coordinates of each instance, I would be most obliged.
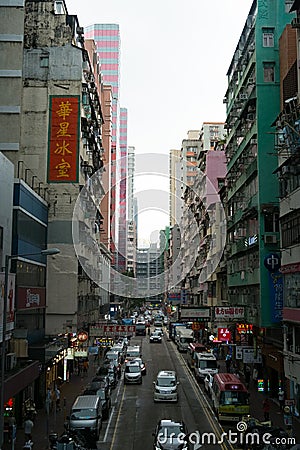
(224, 334)
(10, 302)
(195, 313)
(227, 313)
(249, 356)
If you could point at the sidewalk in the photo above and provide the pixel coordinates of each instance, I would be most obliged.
(256, 409)
(54, 422)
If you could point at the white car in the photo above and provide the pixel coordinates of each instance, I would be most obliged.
(208, 381)
(158, 331)
(165, 386)
(155, 337)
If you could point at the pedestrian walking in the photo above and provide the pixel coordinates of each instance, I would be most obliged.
(228, 363)
(281, 398)
(216, 352)
(247, 375)
(57, 398)
(85, 366)
(11, 422)
(266, 408)
(28, 425)
(80, 367)
(255, 376)
(48, 400)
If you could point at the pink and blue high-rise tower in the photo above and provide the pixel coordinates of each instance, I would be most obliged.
(107, 38)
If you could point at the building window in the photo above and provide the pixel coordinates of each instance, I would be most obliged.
(59, 7)
(268, 37)
(290, 230)
(271, 222)
(44, 61)
(269, 72)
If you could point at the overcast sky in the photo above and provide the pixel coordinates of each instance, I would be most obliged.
(174, 58)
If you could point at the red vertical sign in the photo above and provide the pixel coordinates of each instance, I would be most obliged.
(63, 145)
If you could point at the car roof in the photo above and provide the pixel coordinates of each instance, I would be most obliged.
(132, 363)
(167, 373)
(168, 422)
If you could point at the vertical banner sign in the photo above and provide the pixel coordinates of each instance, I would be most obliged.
(276, 296)
(63, 145)
(10, 303)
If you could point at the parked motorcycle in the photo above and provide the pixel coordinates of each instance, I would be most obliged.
(28, 445)
(66, 442)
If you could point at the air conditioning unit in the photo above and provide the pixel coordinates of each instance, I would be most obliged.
(250, 116)
(251, 81)
(270, 239)
(80, 30)
(225, 100)
(253, 141)
(243, 96)
(296, 22)
(11, 361)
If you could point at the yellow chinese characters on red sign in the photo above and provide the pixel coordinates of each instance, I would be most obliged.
(63, 139)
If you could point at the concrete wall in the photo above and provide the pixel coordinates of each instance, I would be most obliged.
(6, 201)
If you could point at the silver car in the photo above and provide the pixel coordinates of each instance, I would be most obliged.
(133, 373)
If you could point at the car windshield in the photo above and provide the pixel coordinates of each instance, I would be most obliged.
(84, 414)
(234, 398)
(165, 381)
(170, 431)
(208, 364)
(112, 356)
(133, 353)
(101, 394)
(186, 340)
(132, 369)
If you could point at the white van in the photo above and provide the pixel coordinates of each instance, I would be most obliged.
(165, 386)
(86, 415)
(133, 352)
(183, 338)
(204, 364)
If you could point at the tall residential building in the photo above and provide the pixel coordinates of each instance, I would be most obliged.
(253, 102)
(131, 222)
(122, 214)
(211, 134)
(105, 91)
(189, 151)
(148, 268)
(175, 186)
(288, 171)
(56, 98)
(107, 38)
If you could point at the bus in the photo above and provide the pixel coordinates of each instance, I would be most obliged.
(230, 398)
(193, 348)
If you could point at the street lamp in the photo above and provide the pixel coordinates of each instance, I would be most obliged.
(8, 258)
